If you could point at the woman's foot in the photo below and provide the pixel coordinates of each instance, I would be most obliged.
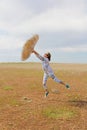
(46, 94)
(67, 86)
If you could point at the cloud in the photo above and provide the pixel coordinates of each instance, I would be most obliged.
(12, 13)
(10, 42)
(67, 16)
(70, 49)
(54, 19)
(60, 24)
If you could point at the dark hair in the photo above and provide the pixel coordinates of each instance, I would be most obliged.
(48, 56)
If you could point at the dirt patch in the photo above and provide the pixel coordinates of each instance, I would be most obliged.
(22, 102)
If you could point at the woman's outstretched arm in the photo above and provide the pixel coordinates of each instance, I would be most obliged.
(38, 55)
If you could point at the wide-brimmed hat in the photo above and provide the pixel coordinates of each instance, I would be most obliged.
(29, 47)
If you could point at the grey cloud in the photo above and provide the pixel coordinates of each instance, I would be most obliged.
(63, 39)
(60, 23)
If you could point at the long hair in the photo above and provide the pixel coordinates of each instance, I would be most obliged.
(48, 56)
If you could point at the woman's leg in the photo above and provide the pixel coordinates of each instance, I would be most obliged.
(55, 78)
(45, 77)
(59, 81)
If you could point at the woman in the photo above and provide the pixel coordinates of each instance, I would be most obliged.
(48, 72)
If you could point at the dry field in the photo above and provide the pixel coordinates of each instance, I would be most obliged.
(22, 102)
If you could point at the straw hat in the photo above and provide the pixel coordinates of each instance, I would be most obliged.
(29, 47)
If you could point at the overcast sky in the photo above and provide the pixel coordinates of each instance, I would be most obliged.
(60, 24)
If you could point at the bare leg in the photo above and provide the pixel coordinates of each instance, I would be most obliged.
(66, 85)
(59, 81)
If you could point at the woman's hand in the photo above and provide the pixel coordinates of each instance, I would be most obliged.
(33, 51)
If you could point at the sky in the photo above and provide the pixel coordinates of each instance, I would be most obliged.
(60, 24)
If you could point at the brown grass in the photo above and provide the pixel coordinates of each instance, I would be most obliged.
(22, 102)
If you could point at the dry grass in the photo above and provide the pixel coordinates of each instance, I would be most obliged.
(22, 102)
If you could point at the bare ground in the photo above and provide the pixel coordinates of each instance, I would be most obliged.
(22, 102)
